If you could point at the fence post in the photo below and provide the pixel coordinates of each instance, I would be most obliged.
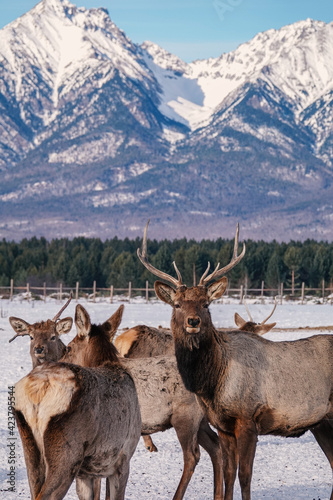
(77, 291)
(323, 288)
(129, 291)
(94, 291)
(44, 291)
(147, 291)
(281, 294)
(303, 289)
(111, 294)
(262, 291)
(28, 291)
(11, 289)
(241, 294)
(60, 292)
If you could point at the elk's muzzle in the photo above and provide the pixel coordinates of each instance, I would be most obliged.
(193, 324)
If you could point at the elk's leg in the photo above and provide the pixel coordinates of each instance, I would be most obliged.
(149, 443)
(85, 488)
(324, 437)
(187, 434)
(35, 466)
(116, 484)
(246, 445)
(56, 485)
(230, 462)
(209, 440)
(63, 461)
(97, 483)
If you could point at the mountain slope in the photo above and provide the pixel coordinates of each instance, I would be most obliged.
(97, 133)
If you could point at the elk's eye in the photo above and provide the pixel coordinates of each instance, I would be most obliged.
(68, 348)
(53, 337)
(177, 306)
(31, 337)
(205, 305)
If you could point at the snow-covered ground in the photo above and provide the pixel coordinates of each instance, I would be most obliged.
(284, 469)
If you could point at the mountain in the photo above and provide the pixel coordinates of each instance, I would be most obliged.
(98, 134)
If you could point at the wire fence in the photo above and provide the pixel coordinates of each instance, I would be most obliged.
(324, 294)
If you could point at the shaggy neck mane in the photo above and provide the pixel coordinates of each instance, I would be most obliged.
(201, 368)
(100, 349)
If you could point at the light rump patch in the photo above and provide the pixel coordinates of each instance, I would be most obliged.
(124, 342)
(42, 394)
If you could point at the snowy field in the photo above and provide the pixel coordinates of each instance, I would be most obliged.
(284, 469)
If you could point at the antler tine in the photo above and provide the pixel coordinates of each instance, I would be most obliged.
(57, 316)
(234, 261)
(247, 310)
(275, 304)
(201, 282)
(17, 335)
(160, 274)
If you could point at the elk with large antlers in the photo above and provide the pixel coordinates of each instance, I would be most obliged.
(247, 385)
(46, 344)
(79, 421)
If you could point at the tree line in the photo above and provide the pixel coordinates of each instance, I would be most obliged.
(114, 261)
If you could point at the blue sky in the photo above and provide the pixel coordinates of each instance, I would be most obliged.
(194, 29)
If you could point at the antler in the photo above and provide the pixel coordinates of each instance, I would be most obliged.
(248, 312)
(275, 304)
(22, 334)
(57, 316)
(160, 274)
(220, 272)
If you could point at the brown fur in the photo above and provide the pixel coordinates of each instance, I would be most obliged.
(248, 385)
(165, 402)
(45, 342)
(81, 422)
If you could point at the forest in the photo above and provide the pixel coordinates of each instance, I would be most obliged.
(114, 261)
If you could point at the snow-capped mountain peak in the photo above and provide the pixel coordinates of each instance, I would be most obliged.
(90, 120)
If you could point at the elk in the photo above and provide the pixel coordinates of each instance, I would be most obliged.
(251, 326)
(45, 344)
(79, 422)
(247, 385)
(144, 341)
(165, 403)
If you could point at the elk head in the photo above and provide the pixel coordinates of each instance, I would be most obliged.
(87, 348)
(45, 344)
(251, 326)
(190, 305)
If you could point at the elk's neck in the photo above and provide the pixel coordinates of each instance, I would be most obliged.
(201, 367)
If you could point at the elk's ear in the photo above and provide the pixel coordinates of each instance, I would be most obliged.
(82, 321)
(64, 325)
(262, 329)
(165, 292)
(111, 325)
(239, 320)
(217, 289)
(20, 326)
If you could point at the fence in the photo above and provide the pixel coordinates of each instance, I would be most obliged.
(324, 294)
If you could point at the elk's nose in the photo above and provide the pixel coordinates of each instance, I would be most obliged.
(194, 322)
(39, 350)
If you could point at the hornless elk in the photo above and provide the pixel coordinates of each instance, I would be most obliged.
(247, 385)
(79, 421)
(165, 403)
(45, 344)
